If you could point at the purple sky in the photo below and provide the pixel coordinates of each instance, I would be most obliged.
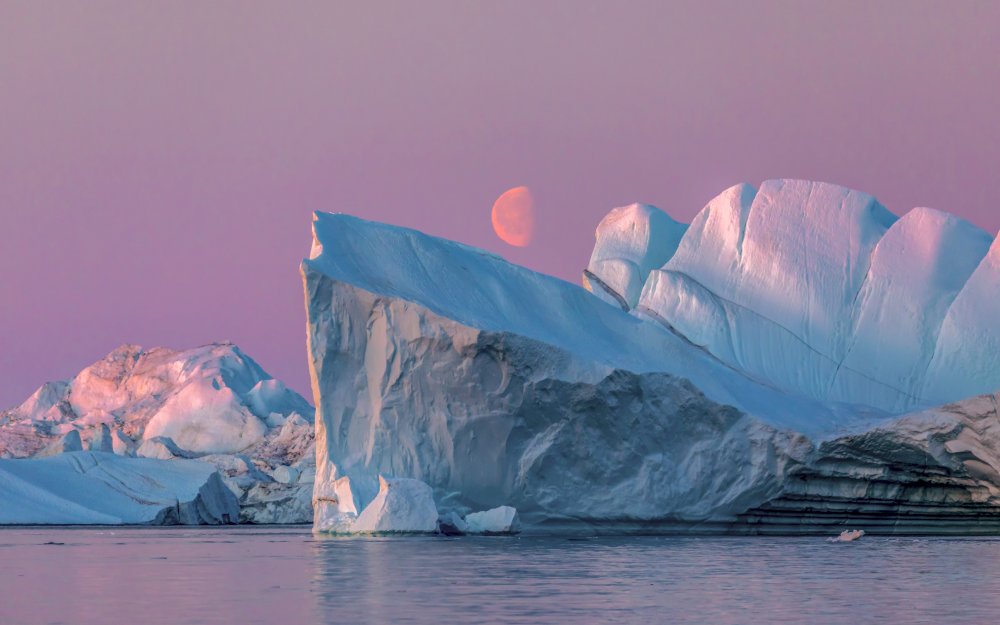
(159, 162)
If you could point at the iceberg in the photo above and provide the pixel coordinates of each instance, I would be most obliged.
(720, 402)
(213, 404)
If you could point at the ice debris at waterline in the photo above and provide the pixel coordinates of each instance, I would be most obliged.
(500, 520)
(213, 404)
(403, 506)
(99, 488)
(764, 381)
(847, 536)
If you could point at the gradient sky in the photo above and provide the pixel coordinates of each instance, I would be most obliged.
(159, 162)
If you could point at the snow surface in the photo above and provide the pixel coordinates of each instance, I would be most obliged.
(83, 488)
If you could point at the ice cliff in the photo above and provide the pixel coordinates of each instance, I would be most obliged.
(213, 404)
(730, 388)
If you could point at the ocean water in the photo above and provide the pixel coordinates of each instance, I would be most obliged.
(286, 576)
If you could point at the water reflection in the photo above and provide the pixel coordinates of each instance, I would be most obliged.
(288, 576)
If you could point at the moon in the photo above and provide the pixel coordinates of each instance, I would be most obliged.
(514, 216)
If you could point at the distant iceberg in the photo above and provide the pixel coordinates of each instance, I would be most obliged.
(212, 403)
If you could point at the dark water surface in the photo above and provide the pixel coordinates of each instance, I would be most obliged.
(285, 576)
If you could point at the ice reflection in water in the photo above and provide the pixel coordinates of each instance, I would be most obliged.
(286, 576)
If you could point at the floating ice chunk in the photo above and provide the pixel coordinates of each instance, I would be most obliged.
(403, 505)
(501, 520)
(451, 524)
(847, 536)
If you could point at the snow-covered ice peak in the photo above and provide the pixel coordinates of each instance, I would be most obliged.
(631, 241)
(820, 290)
(210, 399)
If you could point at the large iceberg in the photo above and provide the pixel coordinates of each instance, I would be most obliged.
(212, 403)
(720, 401)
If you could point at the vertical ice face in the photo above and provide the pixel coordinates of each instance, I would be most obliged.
(967, 355)
(805, 255)
(631, 241)
(682, 294)
(712, 247)
(917, 270)
(766, 281)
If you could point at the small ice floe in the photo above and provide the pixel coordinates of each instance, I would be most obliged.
(847, 536)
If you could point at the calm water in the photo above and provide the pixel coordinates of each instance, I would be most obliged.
(286, 576)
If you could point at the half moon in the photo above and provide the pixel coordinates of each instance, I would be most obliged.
(514, 216)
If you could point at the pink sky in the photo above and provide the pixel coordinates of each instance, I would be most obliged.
(159, 162)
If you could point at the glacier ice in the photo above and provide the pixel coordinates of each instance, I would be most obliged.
(711, 405)
(212, 403)
(85, 488)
